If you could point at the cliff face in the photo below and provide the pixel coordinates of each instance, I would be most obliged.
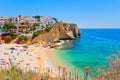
(52, 36)
(60, 31)
(67, 31)
(75, 30)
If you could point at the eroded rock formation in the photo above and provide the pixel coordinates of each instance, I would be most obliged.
(60, 31)
(67, 31)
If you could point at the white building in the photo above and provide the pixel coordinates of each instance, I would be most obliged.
(17, 19)
(3, 19)
(45, 20)
(31, 20)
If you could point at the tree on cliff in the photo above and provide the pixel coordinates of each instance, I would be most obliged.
(37, 17)
(55, 19)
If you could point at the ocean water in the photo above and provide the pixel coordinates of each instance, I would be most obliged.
(91, 49)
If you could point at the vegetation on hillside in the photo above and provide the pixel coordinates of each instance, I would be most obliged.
(22, 37)
(48, 28)
(33, 27)
(37, 17)
(24, 23)
(9, 25)
(13, 35)
(35, 34)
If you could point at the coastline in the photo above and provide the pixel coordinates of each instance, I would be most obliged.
(43, 59)
(35, 57)
(57, 57)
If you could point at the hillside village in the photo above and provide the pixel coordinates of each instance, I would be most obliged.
(23, 29)
(23, 25)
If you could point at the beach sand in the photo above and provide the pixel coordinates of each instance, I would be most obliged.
(27, 57)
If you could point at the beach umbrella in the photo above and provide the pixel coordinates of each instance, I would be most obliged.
(12, 48)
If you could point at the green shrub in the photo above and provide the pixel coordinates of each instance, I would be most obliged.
(24, 23)
(112, 70)
(48, 28)
(14, 73)
(35, 34)
(9, 25)
(13, 35)
(34, 26)
(27, 31)
(22, 37)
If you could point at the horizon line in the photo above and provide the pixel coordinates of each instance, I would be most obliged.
(99, 28)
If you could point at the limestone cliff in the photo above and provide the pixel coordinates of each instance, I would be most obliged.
(60, 31)
(67, 31)
(75, 30)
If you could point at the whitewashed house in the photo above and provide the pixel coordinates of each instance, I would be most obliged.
(45, 20)
(3, 19)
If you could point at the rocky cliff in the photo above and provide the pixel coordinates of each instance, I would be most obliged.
(67, 31)
(75, 30)
(60, 31)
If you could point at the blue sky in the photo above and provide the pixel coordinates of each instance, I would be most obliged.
(86, 13)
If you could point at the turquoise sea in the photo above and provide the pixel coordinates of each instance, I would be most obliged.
(91, 49)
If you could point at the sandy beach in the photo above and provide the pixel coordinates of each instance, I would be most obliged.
(26, 57)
